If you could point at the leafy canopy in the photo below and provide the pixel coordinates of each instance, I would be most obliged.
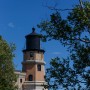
(73, 72)
(7, 76)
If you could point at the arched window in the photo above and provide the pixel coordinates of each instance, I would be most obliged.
(30, 77)
(20, 80)
(31, 54)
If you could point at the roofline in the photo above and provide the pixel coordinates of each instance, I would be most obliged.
(39, 50)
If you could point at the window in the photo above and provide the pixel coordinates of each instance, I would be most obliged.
(30, 77)
(31, 54)
(39, 67)
(20, 80)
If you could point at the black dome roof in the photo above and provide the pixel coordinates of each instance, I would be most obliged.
(33, 33)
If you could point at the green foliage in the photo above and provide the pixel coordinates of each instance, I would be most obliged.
(7, 76)
(73, 72)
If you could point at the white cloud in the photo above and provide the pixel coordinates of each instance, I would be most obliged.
(11, 25)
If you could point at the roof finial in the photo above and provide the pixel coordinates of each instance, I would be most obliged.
(33, 29)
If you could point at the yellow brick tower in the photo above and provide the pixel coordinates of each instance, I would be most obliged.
(33, 63)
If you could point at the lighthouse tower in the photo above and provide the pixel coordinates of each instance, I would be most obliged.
(33, 63)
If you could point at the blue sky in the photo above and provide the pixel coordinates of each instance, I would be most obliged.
(17, 17)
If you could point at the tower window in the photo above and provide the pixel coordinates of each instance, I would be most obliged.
(30, 77)
(20, 80)
(39, 67)
(31, 54)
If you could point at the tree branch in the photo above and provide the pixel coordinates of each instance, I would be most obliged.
(83, 40)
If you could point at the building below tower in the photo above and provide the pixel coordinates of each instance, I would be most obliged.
(33, 71)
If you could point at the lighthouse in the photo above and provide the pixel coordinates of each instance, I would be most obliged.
(33, 63)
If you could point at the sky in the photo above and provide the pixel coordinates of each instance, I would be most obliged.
(17, 17)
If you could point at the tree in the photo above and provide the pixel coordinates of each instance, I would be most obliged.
(7, 76)
(73, 72)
